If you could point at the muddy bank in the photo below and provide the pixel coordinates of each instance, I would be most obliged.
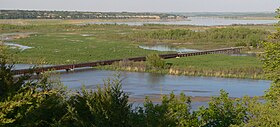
(158, 98)
(7, 38)
(13, 36)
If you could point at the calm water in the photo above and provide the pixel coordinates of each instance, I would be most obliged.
(198, 21)
(27, 66)
(17, 46)
(184, 50)
(167, 48)
(142, 84)
(139, 84)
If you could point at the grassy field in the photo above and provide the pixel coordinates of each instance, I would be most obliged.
(216, 61)
(67, 48)
(63, 43)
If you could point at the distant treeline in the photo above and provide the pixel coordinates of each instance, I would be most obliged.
(34, 14)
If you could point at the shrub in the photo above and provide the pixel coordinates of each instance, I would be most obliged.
(241, 44)
(171, 112)
(223, 112)
(155, 61)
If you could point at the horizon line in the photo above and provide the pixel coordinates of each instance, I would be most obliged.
(144, 11)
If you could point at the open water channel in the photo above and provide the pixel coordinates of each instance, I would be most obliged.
(139, 85)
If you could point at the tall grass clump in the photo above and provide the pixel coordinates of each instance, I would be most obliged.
(230, 36)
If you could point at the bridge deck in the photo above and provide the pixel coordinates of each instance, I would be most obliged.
(135, 59)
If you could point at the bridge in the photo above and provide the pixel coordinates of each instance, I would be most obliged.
(233, 50)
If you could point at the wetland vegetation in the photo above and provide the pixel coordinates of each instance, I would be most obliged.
(211, 38)
(64, 42)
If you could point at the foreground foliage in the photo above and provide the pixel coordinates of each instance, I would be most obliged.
(268, 114)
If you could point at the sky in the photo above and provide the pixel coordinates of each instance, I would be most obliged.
(144, 5)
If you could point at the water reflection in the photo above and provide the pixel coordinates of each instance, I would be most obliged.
(28, 66)
(167, 48)
(17, 46)
(155, 78)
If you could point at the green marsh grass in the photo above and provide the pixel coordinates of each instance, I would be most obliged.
(62, 42)
(71, 48)
(215, 65)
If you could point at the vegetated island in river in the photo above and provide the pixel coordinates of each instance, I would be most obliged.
(215, 65)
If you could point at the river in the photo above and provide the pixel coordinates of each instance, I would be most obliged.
(141, 84)
(167, 48)
(198, 21)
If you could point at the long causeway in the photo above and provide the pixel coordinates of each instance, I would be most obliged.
(233, 50)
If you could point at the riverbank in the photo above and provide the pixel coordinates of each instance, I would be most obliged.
(187, 72)
(158, 98)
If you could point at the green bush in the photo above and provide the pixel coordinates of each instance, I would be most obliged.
(155, 61)
(223, 112)
(171, 112)
(105, 107)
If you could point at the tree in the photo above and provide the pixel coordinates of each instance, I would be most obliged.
(271, 63)
(267, 114)
(272, 68)
(8, 86)
(104, 107)
(25, 102)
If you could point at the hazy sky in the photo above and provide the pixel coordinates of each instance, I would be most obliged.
(145, 5)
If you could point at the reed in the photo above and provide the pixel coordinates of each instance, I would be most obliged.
(248, 72)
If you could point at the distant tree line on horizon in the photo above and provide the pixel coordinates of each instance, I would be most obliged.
(34, 14)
